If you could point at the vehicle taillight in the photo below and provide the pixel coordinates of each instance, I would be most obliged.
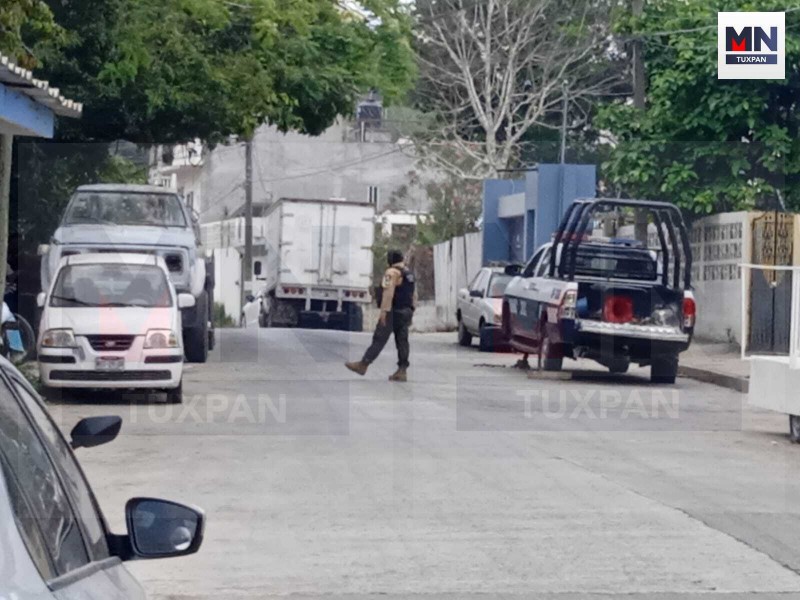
(618, 309)
(568, 303)
(689, 312)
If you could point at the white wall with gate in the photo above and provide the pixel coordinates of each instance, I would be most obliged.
(455, 263)
(227, 278)
(720, 243)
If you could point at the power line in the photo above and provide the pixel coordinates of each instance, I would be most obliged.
(334, 167)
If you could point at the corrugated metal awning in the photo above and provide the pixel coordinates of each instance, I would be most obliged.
(21, 80)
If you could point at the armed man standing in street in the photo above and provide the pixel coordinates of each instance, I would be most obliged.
(397, 302)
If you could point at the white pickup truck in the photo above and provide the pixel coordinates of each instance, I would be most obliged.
(614, 301)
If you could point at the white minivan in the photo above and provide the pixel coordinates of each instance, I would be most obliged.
(112, 320)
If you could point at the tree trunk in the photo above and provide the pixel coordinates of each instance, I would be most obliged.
(5, 190)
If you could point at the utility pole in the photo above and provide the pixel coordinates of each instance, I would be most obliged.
(247, 262)
(639, 89)
(637, 9)
(564, 110)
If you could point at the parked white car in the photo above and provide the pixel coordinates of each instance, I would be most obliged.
(480, 307)
(112, 321)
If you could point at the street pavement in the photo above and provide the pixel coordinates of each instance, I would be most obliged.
(472, 480)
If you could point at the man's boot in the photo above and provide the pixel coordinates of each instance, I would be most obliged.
(399, 375)
(357, 367)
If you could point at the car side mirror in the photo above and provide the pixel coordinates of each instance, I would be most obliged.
(95, 431)
(40, 299)
(161, 528)
(185, 301)
(476, 293)
(250, 298)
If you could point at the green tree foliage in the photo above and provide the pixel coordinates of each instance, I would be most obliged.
(173, 70)
(21, 20)
(706, 144)
(168, 71)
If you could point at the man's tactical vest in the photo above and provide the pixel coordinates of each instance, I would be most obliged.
(404, 292)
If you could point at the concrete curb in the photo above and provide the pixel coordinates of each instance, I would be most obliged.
(732, 382)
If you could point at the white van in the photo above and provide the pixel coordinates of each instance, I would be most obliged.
(112, 320)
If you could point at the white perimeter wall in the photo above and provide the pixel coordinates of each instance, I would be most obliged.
(227, 278)
(455, 263)
(720, 243)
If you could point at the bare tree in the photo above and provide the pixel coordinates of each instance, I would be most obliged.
(492, 70)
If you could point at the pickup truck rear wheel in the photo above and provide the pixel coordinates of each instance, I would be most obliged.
(464, 336)
(664, 369)
(195, 337)
(550, 354)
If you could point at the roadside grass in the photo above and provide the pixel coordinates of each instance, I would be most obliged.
(221, 318)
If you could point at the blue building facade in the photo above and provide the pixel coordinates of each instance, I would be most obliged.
(521, 214)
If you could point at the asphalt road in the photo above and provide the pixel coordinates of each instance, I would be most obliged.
(469, 481)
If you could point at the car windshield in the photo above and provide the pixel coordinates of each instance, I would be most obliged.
(125, 208)
(497, 286)
(111, 285)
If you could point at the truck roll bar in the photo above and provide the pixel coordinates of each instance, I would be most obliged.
(577, 220)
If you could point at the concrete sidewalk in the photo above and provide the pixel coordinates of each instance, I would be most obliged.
(720, 364)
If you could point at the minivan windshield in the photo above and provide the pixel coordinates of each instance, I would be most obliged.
(125, 208)
(111, 285)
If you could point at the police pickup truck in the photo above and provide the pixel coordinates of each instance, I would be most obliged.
(614, 301)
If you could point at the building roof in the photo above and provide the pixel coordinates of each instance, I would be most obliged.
(21, 80)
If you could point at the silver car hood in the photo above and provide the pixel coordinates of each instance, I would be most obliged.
(131, 235)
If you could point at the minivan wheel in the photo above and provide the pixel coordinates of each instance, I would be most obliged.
(52, 394)
(486, 338)
(175, 395)
(464, 336)
(794, 428)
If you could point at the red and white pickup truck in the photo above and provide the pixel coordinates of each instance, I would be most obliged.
(611, 300)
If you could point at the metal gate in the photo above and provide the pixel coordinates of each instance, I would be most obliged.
(772, 236)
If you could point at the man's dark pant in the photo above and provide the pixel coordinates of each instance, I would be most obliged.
(397, 322)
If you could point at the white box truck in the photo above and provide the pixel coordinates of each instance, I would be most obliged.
(317, 270)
